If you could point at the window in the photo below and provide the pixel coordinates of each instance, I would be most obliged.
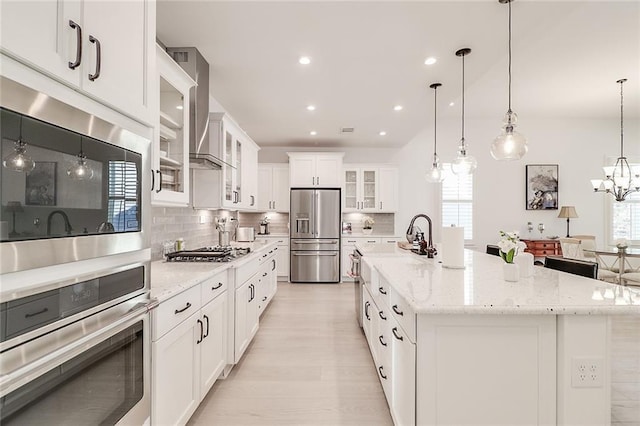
(457, 201)
(123, 196)
(625, 216)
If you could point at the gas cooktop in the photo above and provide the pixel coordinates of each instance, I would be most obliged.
(208, 254)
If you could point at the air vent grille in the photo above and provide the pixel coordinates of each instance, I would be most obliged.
(181, 56)
(347, 130)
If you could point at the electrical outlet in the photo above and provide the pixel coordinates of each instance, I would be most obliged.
(587, 372)
(203, 219)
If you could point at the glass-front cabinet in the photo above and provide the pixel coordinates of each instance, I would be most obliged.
(170, 183)
(360, 189)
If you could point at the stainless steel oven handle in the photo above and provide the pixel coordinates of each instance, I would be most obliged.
(19, 377)
(315, 254)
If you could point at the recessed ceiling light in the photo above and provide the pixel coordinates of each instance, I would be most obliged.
(313, 133)
(430, 60)
(451, 104)
(397, 108)
(179, 107)
(304, 60)
(382, 133)
(311, 107)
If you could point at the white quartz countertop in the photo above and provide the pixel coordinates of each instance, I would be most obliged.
(171, 278)
(480, 288)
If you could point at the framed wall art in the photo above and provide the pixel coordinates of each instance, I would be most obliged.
(542, 186)
(40, 188)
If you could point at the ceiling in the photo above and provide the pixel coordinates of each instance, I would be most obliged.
(368, 56)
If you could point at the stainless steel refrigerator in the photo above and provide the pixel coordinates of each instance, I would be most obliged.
(315, 236)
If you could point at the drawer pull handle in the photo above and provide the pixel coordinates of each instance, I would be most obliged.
(382, 315)
(380, 338)
(381, 289)
(201, 331)
(366, 310)
(42, 311)
(215, 287)
(381, 373)
(179, 311)
(395, 333)
(264, 298)
(395, 309)
(264, 274)
(207, 332)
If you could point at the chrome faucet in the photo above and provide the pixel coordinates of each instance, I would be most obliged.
(67, 224)
(431, 251)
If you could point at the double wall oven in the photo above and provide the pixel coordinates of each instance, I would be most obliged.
(74, 264)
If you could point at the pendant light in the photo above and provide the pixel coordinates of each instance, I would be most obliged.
(435, 175)
(509, 145)
(80, 170)
(619, 180)
(18, 160)
(463, 164)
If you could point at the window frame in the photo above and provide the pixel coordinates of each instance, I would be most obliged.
(469, 234)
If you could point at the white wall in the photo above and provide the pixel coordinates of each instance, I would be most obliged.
(578, 146)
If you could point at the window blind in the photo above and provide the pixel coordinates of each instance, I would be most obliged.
(457, 201)
(123, 196)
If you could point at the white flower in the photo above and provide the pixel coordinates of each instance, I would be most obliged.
(367, 221)
(509, 245)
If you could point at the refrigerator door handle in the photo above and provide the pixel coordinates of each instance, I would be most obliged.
(317, 213)
(314, 254)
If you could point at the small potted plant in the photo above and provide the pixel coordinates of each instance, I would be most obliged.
(367, 223)
(509, 245)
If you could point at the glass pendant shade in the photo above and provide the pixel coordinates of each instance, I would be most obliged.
(463, 164)
(80, 170)
(509, 145)
(436, 173)
(18, 160)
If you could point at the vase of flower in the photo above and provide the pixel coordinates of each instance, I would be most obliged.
(509, 245)
(367, 231)
(367, 225)
(511, 272)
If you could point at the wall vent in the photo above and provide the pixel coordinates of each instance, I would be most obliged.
(347, 130)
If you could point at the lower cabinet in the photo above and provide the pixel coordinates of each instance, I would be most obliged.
(268, 281)
(246, 315)
(188, 350)
(403, 381)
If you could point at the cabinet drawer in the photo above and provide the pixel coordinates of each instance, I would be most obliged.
(382, 291)
(214, 286)
(538, 246)
(246, 271)
(403, 314)
(175, 310)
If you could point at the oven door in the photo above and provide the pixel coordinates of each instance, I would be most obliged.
(95, 371)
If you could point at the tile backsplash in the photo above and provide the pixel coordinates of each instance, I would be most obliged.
(384, 222)
(278, 222)
(171, 223)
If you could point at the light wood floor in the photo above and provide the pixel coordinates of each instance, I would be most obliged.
(309, 365)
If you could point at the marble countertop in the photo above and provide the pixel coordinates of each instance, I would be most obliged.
(171, 278)
(480, 289)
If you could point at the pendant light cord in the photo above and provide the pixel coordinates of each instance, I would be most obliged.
(435, 123)
(509, 56)
(463, 143)
(621, 121)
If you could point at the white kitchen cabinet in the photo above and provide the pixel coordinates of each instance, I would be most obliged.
(320, 170)
(282, 259)
(348, 246)
(170, 152)
(403, 381)
(369, 188)
(273, 188)
(189, 349)
(246, 315)
(98, 48)
(225, 188)
(268, 280)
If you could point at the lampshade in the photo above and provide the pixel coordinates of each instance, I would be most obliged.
(19, 160)
(435, 174)
(463, 164)
(567, 212)
(14, 206)
(80, 170)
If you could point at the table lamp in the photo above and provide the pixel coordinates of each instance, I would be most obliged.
(14, 207)
(568, 212)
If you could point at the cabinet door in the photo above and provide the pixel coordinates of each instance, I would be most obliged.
(281, 188)
(403, 382)
(239, 171)
(328, 169)
(120, 27)
(241, 341)
(250, 175)
(350, 200)
(282, 260)
(171, 148)
(265, 188)
(302, 171)
(228, 172)
(388, 189)
(345, 266)
(38, 34)
(175, 385)
(213, 348)
(369, 189)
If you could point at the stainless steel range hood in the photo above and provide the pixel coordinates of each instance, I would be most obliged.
(201, 153)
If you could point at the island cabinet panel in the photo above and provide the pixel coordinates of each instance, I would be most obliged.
(486, 369)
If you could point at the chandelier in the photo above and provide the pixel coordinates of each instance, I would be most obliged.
(620, 180)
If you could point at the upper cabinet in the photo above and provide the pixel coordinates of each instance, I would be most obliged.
(273, 188)
(315, 169)
(97, 47)
(235, 186)
(369, 188)
(170, 153)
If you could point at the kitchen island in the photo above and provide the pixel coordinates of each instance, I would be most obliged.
(463, 346)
